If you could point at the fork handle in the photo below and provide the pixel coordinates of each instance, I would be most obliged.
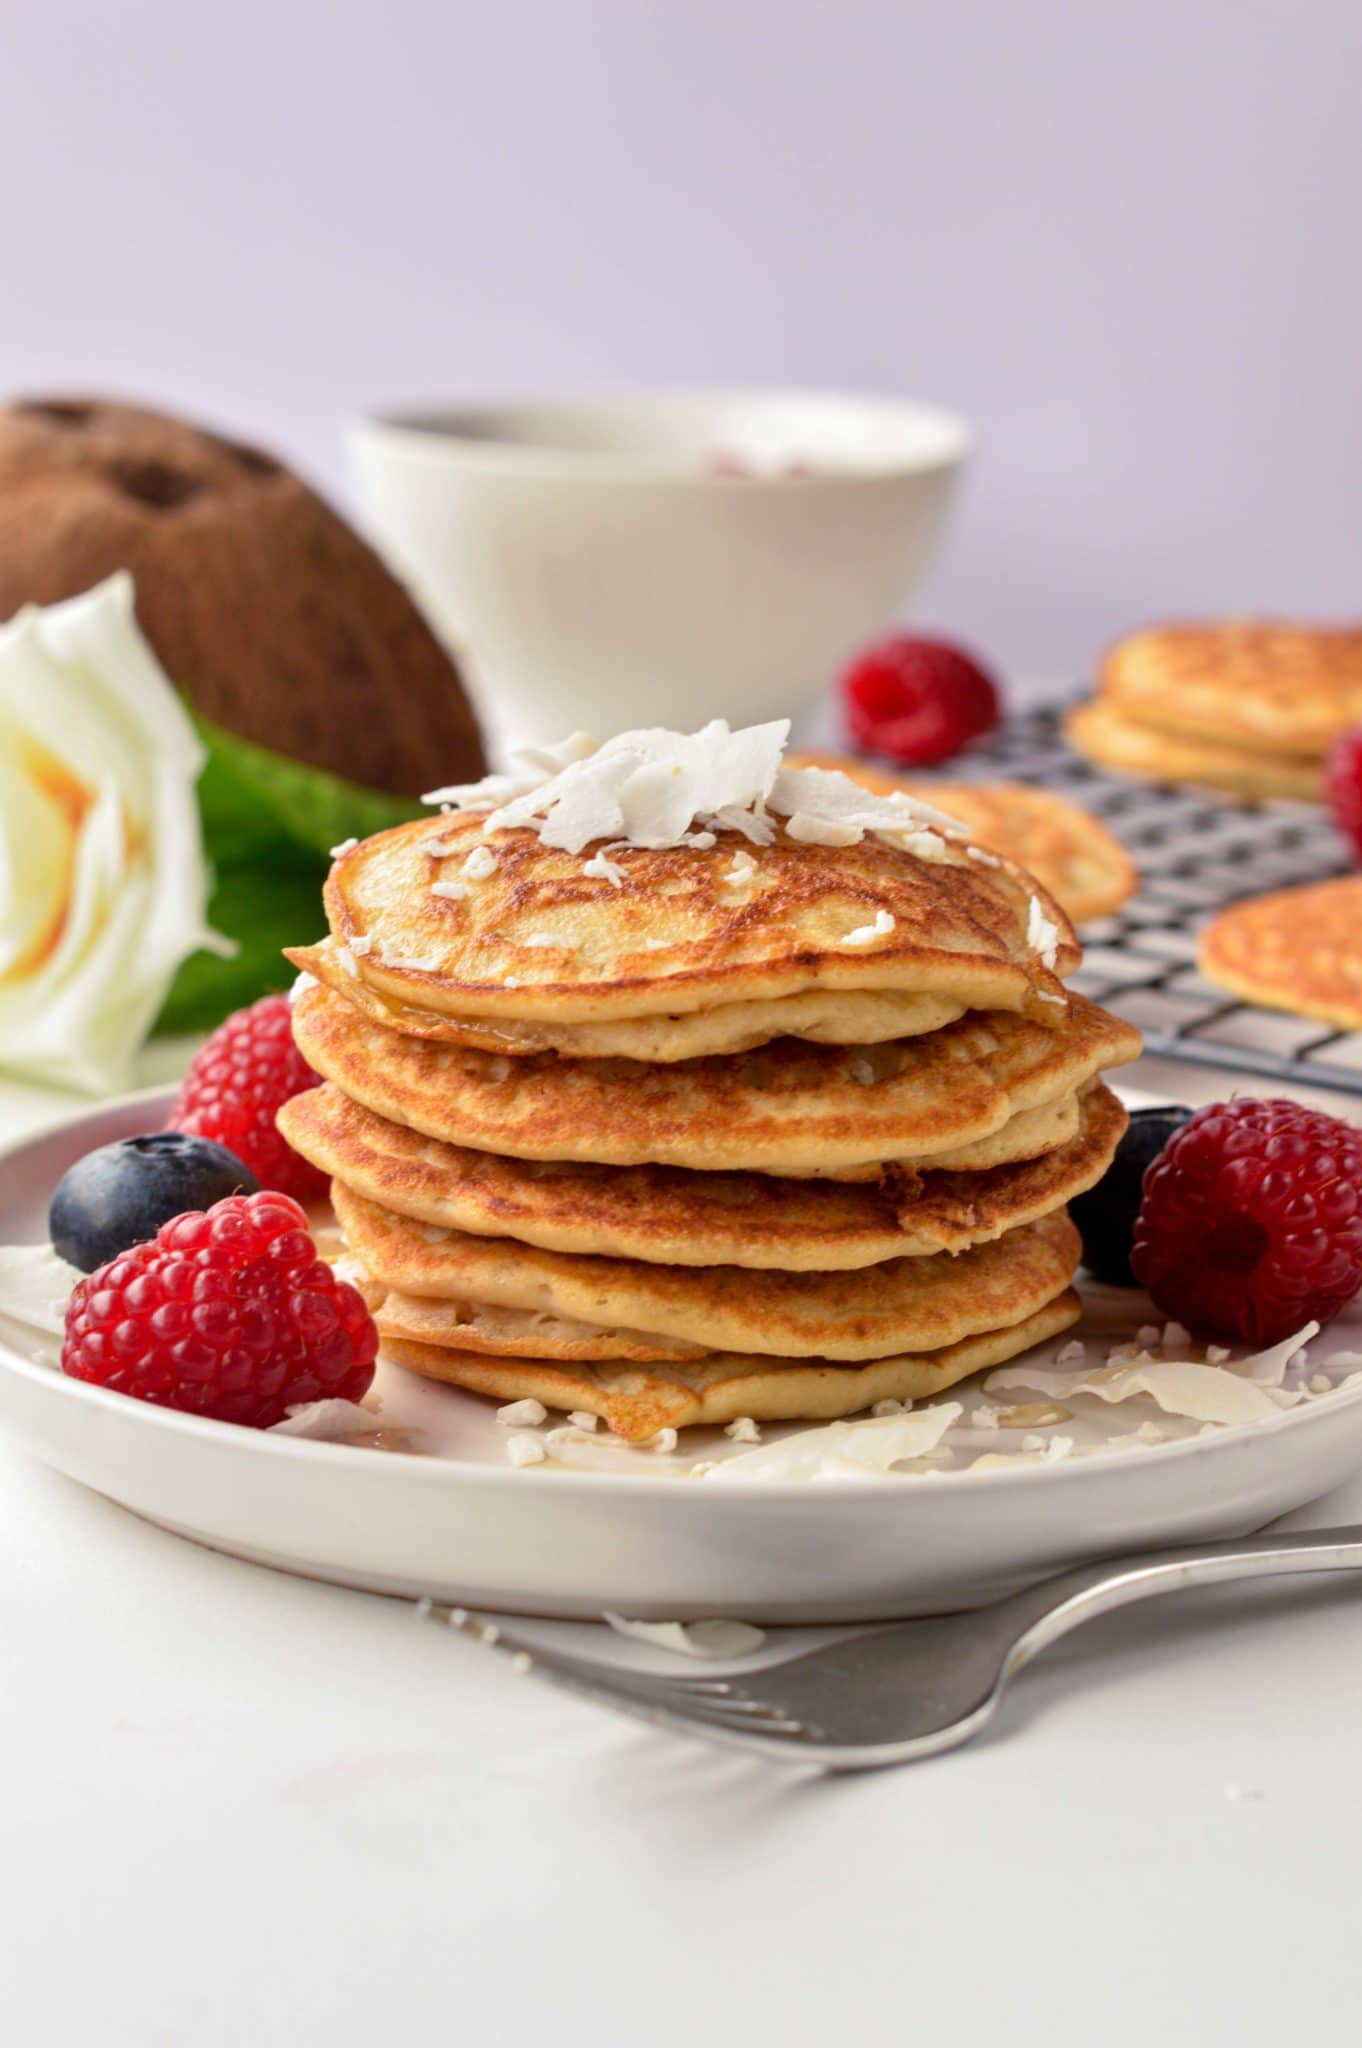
(1044, 1613)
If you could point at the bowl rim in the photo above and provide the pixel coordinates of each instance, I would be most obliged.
(441, 433)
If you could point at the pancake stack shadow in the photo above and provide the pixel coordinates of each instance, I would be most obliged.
(684, 1134)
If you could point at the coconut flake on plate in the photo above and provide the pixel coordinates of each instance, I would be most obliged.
(692, 1638)
(841, 1449)
(327, 1422)
(1249, 1392)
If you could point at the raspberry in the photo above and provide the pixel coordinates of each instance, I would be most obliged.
(1343, 786)
(1251, 1222)
(918, 701)
(226, 1312)
(238, 1082)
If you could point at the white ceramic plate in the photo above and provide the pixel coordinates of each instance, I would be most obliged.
(453, 1520)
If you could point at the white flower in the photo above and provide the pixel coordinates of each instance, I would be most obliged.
(103, 886)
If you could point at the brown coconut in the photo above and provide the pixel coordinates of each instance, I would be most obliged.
(271, 613)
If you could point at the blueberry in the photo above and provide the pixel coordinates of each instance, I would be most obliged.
(1106, 1214)
(121, 1194)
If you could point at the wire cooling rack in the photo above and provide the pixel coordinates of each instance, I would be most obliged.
(1195, 853)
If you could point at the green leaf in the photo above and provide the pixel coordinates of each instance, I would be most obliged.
(268, 826)
(244, 781)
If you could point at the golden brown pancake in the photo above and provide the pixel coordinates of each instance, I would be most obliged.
(1262, 685)
(675, 1217)
(1112, 740)
(906, 1304)
(1068, 850)
(540, 940)
(1297, 949)
(784, 1108)
(637, 1401)
(826, 1016)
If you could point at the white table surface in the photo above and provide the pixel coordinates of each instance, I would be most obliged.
(242, 1810)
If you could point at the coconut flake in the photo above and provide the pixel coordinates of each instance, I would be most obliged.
(1198, 1392)
(361, 945)
(347, 960)
(327, 1422)
(841, 1449)
(480, 863)
(600, 867)
(581, 1418)
(658, 788)
(1042, 934)
(523, 1449)
(829, 795)
(523, 1414)
(866, 934)
(743, 1430)
(304, 982)
(346, 846)
(812, 830)
(449, 892)
(692, 1638)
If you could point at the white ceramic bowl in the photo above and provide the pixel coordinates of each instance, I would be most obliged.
(599, 564)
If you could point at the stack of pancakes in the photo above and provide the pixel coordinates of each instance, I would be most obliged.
(1248, 707)
(687, 1132)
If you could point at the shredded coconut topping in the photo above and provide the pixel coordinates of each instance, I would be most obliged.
(600, 867)
(346, 846)
(866, 934)
(362, 945)
(480, 863)
(1042, 934)
(657, 788)
(743, 1430)
(450, 892)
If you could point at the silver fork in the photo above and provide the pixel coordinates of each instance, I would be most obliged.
(894, 1695)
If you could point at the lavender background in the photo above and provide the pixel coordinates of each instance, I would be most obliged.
(1123, 239)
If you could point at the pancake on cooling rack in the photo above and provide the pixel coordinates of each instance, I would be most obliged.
(670, 1082)
(1082, 864)
(1297, 949)
(1249, 707)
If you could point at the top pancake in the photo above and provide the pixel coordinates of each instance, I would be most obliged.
(824, 1016)
(1069, 851)
(541, 940)
(1297, 949)
(786, 1108)
(1259, 684)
